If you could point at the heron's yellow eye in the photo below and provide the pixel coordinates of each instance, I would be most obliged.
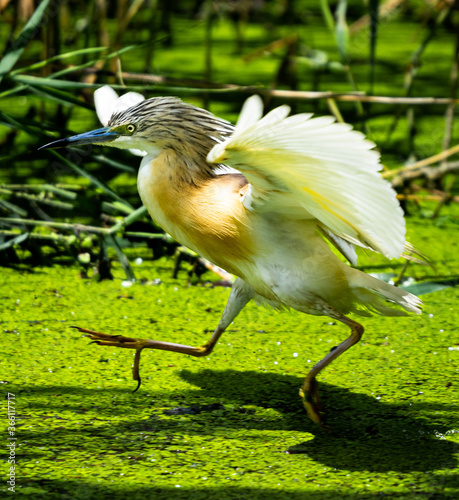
(130, 128)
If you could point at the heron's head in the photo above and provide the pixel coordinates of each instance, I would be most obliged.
(154, 125)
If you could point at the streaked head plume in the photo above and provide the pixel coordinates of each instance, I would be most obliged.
(160, 123)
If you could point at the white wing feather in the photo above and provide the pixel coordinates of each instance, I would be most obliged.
(308, 167)
(104, 101)
(251, 112)
(127, 100)
(107, 102)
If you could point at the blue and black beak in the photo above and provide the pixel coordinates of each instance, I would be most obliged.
(98, 136)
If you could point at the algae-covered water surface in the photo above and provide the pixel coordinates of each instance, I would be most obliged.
(230, 425)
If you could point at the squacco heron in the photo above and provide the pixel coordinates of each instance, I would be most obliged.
(294, 182)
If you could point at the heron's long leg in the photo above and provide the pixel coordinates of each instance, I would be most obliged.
(309, 391)
(240, 294)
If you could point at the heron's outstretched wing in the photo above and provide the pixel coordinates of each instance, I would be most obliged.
(308, 167)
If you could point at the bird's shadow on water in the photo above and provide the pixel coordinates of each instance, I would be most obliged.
(365, 433)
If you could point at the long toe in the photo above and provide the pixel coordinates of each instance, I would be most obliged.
(105, 339)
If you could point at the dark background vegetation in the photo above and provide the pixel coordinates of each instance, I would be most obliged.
(389, 68)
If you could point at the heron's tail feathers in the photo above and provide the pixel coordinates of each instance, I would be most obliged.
(382, 298)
